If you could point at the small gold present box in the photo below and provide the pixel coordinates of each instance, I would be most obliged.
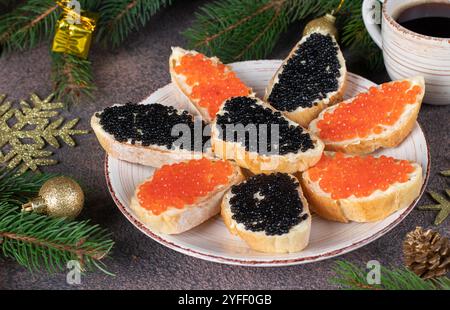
(74, 33)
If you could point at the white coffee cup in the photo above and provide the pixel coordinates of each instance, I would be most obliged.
(406, 53)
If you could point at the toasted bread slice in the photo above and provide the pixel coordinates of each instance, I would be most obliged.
(178, 220)
(152, 155)
(300, 110)
(180, 82)
(298, 159)
(374, 207)
(294, 239)
(389, 136)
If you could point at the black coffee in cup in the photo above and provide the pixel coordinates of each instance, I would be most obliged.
(430, 19)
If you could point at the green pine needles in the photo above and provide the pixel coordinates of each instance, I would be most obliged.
(39, 242)
(351, 277)
(230, 29)
(119, 18)
(72, 77)
(249, 29)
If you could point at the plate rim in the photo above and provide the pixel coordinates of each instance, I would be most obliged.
(267, 263)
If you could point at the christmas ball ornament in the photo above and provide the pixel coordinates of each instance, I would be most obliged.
(325, 23)
(427, 253)
(58, 197)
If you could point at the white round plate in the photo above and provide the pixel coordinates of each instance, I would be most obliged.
(212, 241)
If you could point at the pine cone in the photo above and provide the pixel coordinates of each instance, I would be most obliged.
(426, 253)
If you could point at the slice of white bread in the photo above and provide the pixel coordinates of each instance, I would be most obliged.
(391, 136)
(180, 81)
(153, 155)
(294, 241)
(304, 116)
(375, 207)
(263, 163)
(177, 221)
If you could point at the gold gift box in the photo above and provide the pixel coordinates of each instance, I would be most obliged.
(74, 33)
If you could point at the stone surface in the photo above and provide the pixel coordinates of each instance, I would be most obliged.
(131, 73)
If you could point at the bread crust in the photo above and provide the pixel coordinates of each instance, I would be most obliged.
(295, 241)
(375, 207)
(152, 156)
(177, 221)
(392, 137)
(185, 90)
(290, 163)
(304, 116)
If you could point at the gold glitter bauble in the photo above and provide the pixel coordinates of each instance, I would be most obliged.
(323, 24)
(58, 197)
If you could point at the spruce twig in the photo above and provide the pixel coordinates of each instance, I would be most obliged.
(248, 29)
(121, 17)
(352, 277)
(41, 242)
(72, 77)
(28, 24)
(17, 189)
(38, 241)
(357, 39)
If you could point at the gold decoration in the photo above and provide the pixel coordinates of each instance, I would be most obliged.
(58, 197)
(325, 23)
(443, 207)
(74, 31)
(446, 173)
(426, 253)
(322, 24)
(19, 127)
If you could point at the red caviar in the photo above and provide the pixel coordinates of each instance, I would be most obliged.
(211, 83)
(368, 112)
(182, 184)
(343, 176)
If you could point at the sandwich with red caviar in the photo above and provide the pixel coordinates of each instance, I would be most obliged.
(269, 212)
(380, 118)
(206, 82)
(179, 197)
(347, 188)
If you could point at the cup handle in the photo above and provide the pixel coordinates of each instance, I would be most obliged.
(370, 17)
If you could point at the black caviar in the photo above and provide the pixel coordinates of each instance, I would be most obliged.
(268, 203)
(307, 77)
(151, 124)
(246, 113)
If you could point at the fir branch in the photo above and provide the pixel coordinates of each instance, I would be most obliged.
(248, 29)
(356, 37)
(38, 241)
(238, 29)
(72, 77)
(118, 18)
(28, 24)
(350, 276)
(17, 189)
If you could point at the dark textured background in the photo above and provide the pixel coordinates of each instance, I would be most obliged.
(131, 73)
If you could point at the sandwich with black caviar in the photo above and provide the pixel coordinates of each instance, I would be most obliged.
(261, 139)
(144, 134)
(269, 213)
(311, 78)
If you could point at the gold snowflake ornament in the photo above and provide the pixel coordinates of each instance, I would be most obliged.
(25, 132)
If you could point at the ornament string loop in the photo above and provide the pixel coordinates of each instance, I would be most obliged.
(338, 9)
(69, 12)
